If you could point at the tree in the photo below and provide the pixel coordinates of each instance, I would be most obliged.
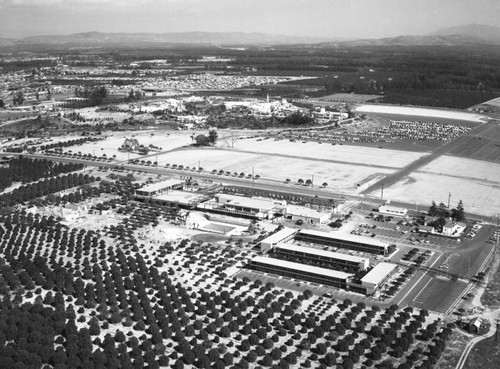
(212, 136)
(201, 140)
(18, 98)
(433, 209)
(458, 213)
(2, 104)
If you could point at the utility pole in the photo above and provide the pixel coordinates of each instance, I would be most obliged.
(449, 197)
(382, 193)
(253, 179)
(312, 181)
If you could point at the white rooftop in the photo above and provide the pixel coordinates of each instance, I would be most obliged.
(303, 211)
(378, 273)
(280, 235)
(179, 196)
(161, 185)
(247, 202)
(302, 267)
(345, 237)
(323, 253)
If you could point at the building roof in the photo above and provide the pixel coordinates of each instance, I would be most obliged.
(181, 197)
(302, 211)
(153, 187)
(345, 237)
(248, 202)
(302, 267)
(323, 253)
(280, 235)
(378, 273)
(392, 208)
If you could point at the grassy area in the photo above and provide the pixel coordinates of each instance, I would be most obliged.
(453, 351)
(491, 296)
(484, 355)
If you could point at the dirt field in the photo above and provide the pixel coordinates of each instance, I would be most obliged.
(474, 182)
(421, 112)
(342, 176)
(167, 141)
(487, 147)
(340, 153)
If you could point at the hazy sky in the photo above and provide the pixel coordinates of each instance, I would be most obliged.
(326, 18)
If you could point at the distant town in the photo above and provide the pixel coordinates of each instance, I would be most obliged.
(285, 207)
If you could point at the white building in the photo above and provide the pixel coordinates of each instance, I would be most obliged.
(281, 236)
(307, 215)
(392, 210)
(376, 277)
(453, 229)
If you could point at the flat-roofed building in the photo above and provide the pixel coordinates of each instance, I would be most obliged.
(376, 277)
(344, 241)
(283, 235)
(307, 215)
(321, 258)
(392, 210)
(158, 188)
(241, 206)
(301, 271)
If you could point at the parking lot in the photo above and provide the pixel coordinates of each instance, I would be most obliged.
(440, 294)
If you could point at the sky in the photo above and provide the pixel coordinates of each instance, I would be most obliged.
(318, 18)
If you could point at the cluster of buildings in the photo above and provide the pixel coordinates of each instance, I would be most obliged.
(170, 193)
(287, 256)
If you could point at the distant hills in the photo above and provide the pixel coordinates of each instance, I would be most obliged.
(462, 35)
(454, 36)
(131, 39)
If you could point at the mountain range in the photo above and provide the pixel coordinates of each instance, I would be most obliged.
(461, 35)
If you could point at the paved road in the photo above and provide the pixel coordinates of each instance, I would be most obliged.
(395, 177)
(262, 183)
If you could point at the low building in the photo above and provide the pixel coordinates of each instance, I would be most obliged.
(240, 206)
(376, 277)
(392, 210)
(159, 188)
(307, 215)
(426, 229)
(301, 271)
(281, 236)
(345, 241)
(453, 229)
(322, 258)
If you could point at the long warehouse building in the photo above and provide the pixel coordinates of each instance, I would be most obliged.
(301, 271)
(321, 258)
(344, 241)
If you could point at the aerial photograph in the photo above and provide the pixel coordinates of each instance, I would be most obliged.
(249, 184)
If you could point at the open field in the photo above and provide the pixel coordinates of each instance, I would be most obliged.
(483, 146)
(167, 141)
(337, 175)
(484, 354)
(475, 182)
(340, 153)
(421, 112)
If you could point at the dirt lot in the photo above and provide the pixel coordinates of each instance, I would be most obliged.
(166, 140)
(421, 112)
(338, 176)
(475, 182)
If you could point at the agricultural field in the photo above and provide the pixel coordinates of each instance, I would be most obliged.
(475, 182)
(136, 291)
